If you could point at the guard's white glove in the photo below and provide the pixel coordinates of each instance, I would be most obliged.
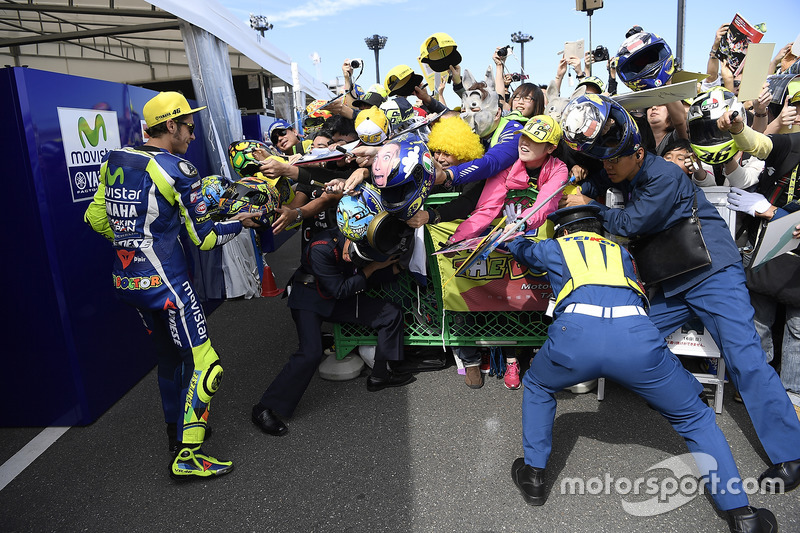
(747, 202)
(512, 212)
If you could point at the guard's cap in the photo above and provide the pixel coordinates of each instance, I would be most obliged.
(167, 105)
(570, 215)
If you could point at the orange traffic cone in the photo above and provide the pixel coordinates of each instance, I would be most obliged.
(268, 287)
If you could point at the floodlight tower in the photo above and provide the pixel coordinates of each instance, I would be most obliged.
(521, 38)
(376, 44)
(260, 24)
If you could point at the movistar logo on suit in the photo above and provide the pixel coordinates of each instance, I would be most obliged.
(112, 176)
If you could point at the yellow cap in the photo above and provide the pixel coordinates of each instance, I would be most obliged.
(401, 81)
(372, 126)
(542, 129)
(439, 51)
(166, 105)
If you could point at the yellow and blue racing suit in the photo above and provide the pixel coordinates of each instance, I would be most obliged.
(144, 196)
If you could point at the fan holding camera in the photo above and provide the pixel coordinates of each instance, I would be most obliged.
(348, 67)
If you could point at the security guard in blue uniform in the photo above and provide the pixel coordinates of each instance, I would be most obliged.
(657, 195)
(601, 328)
(329, 287)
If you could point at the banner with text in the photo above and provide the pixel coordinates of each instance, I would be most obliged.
(497, 284)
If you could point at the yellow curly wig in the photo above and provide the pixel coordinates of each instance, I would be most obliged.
(454, 136)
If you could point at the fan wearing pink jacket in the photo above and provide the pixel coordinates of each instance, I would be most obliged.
(536, 167)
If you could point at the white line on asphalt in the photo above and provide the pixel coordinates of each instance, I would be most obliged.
(28, 454)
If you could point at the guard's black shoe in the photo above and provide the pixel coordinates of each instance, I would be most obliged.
(268, 422)
(756, 521)
(395, 379)
(781, 477)
(529, 481)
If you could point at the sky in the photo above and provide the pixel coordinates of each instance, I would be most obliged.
(335, 30)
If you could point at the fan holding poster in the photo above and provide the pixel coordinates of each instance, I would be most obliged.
(733, 45)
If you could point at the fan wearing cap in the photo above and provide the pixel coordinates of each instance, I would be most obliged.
(284, 137)
(145, 194)
(313, 204)
(657, 196)
(329, 287)
(601, 328)
(536, 168)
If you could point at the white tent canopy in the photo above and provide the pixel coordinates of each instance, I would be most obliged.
(130, 41)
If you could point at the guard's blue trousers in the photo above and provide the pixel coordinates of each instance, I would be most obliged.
(633, 353)
(722, 303)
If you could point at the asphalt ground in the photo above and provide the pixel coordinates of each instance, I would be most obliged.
(433, 456)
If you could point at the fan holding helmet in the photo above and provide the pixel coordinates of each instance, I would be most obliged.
(335, 270)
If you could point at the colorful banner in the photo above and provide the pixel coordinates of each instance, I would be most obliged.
(497, 284)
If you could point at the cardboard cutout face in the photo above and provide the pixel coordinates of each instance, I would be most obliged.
(479, 106)
(385, 162)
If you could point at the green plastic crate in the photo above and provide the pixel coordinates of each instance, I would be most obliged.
(425, 325)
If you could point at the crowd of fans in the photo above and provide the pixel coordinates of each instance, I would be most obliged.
(683, 132)
(365, 162)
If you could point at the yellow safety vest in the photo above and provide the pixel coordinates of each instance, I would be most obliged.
(587, 263)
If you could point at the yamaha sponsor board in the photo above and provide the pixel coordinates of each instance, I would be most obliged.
(87, 135)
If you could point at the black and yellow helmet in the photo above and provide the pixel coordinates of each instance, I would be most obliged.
(709, 143)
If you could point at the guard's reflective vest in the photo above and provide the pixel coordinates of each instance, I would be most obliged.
(593, 260)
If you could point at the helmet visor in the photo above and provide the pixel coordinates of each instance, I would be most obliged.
(396, 198)
(704, 132)
(644, 62)
(615, 136)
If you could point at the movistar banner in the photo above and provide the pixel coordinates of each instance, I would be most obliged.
(497, 284)
(87, 135)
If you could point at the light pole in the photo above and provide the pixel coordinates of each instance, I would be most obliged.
(376, 43)
(588, 7)
(521, 38)
(260, 24)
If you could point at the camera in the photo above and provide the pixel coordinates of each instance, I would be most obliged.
(356, 63)
(503, 52)
(518, 77)
(600, 53)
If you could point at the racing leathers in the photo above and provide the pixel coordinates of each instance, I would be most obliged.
(144, 195)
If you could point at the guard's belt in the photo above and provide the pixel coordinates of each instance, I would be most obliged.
(605, 312)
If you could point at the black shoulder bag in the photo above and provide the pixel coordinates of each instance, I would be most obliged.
(672, 252)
